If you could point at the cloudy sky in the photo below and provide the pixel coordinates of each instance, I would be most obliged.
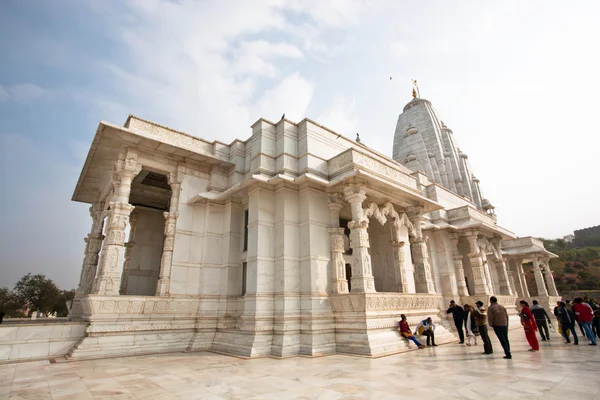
(517, 81)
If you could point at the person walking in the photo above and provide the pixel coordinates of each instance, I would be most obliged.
(570, 307)
(427, 328)
(596, 322)
(498, 320)
(470, 326)
(540, 315)
(458, 315)
(585, 316)
(481, 320)
(567, 321)
(407, 333)
(529, 326)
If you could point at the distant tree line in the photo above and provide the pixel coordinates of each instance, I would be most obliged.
(34, 293)
(577, 268)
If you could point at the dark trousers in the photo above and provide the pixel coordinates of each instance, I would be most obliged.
(543, 328)
(487, 343)
(566, 328)
(502, 334)
(430, 337)
(581, 328)
(459, 327)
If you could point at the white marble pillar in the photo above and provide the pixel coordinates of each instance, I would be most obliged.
(521, 277)
(539, 277)
(486, 269)
(503, 279)
(400, 272)
(336, 241)
(461, 283)
(481, 285)
(111, 260)
(92, 250)
(163, 286)
(549, 277)
(128, 247)
(418, 246)
(362, 274)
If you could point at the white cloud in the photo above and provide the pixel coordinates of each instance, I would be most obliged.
(341, 116)
(291, 96)
(257, 57)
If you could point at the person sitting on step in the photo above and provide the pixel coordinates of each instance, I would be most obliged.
(407, 333)
(427, 328)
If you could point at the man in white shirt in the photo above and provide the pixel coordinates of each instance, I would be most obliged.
(426, 328)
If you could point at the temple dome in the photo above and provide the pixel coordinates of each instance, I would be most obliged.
(422, 142)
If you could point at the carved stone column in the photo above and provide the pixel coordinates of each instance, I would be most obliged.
(338, 266)
(458, 265)
(486, 269)
(336, 242)
(418, 246)
(479, 276)
(521, 276)
(92, 249)
(539, 277)
(549, 278)
(504, 281)
(111, 260)
(128, 247)
(400, 272)
(362, 274)
(163, 287)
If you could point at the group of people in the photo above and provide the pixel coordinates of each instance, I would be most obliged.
(584, 312)
(473, 321)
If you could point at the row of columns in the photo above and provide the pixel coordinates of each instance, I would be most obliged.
(106, 266)
(480, 264)
(542, 273)
(362, 275)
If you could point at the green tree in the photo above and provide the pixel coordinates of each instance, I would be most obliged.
(37, 293)
(61, 305)
(9, 303)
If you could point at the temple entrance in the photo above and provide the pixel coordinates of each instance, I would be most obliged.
(150, 194)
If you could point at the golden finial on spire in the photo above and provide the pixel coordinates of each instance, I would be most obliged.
(415, 92)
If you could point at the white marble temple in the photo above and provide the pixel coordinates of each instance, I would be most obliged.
(296, 241)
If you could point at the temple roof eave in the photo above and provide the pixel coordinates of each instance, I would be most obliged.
(401, 194)
(525, 247)
(108, 142)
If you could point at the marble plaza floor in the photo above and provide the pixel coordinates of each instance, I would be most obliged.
(558, 371)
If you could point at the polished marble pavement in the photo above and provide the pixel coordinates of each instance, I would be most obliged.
(558, 371)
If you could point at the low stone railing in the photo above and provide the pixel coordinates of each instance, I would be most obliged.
(42, 339)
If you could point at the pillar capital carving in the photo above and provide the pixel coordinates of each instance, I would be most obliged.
(336, 198)
(127, 167)
(176, 178)
(355, 193)
(415, 211)
(335, 206)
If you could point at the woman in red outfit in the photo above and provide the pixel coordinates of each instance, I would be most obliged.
(529, 326)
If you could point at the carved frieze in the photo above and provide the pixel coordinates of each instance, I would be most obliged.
(364, 302)
(139, 305)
